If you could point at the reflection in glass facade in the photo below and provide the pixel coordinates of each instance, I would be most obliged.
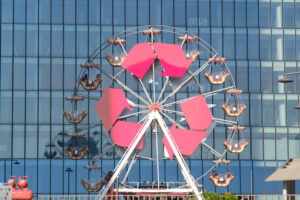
(44, 41)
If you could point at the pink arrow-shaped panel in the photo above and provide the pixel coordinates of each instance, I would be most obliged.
(110, 106)
(139, 59)
(123, 133)
(197, 113)
(172, 59)
(186, 140)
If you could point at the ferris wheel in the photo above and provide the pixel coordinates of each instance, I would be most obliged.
(158, 81)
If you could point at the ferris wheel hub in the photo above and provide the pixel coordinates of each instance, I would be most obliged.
(154, 107)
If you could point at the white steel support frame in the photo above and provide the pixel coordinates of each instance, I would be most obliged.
(154, 115)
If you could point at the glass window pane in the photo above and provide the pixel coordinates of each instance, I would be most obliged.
(265, 44)
(254, 76)
(32, 11)
(276, 7)
(44, 40)
(298, 43)
(44, 74)
(253, 44)
(19, 74)
(106, 12)
(69, 12)
(31, 138)
(240, 13)
(44, 11)
(57, 41)
(19, 11)
(82, 41)
(57, 74)
(191, 13)
(155, 12)
(292, 114)
(6, 74)
(204, 13)
(266, 77)
(241, 43)
(294, 143)
(131, 12)
(228, 13)
(277, 44)
(216, 13)
(179, 13)
(44, 108)
(94, 12)
(57, 12)
(6, 107)
(31, 107)
(278, 71)
(289, 45)
(118, 12)
(268, 110)
(288, 13)
(242, 75)
(69, 41)
(269, 143)
(252, 13)
(31, 74)
(255, 109)
(32, 40)
(217, 41)
(281, 144)
(229, 43)
(44, 176)
(18, 141)
(258, 177)
(5, 142)
(81, 11)
(280, 111)
(7, 11)
(19, 40)
(264, 13)
(6, 40)
(297, 14)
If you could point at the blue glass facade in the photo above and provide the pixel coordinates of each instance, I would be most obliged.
(44, 41)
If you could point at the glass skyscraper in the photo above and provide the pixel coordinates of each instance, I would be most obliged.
(43, 42)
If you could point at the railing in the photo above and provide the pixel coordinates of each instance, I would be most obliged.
(164, 197)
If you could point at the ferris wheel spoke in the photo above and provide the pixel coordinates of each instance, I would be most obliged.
(224, 121)
(172, 120)
(163, 89)
(217, 91)
(103, 153)
(124, 86)
(186, 81)
(121, 45)
(145, 91)
(212, 150)
(129, 168)
(132, 114)
(176, 102)
(173, 111)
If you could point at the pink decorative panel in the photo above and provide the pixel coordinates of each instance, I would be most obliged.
(110, 106)
(197, 113)
(139, 59)
(186, 140)
(123, 133)
(172, 59)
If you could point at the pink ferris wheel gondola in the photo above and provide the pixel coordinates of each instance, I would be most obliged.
(178, 123)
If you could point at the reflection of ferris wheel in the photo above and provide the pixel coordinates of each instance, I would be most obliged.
(144, 89)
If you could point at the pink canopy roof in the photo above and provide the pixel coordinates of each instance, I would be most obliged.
(171, 57)
(186, 140)
(124, 132)
(110, 106)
